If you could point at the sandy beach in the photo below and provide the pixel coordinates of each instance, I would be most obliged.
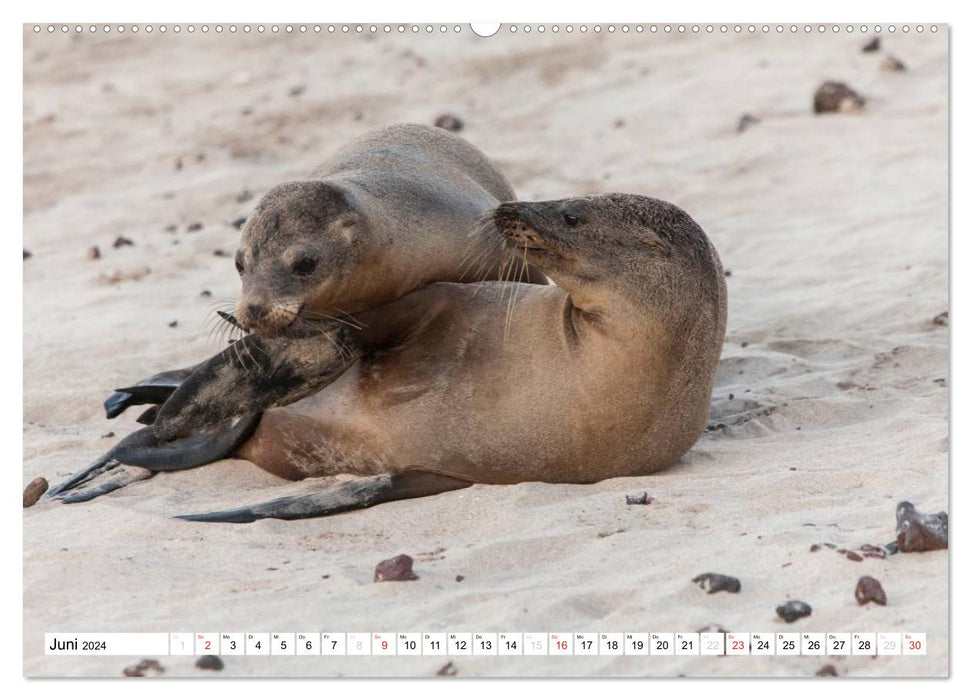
(831, 403)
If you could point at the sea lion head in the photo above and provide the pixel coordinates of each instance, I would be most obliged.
(298, 242)
(632, 243)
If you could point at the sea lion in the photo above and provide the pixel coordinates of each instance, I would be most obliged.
(607, 374)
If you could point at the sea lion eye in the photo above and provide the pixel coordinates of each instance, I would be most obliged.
(571, 220)
(239, 264)
(305, 266)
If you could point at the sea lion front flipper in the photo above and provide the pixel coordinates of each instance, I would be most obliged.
(348, 495)
(154, 390)
(255, 374)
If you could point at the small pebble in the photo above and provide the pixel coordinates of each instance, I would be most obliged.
(209, 663)
(712, 628)
(714, 583)
(27, 254)
(35, 489)
(853, 556)
(641, 499)
(827, 670)
(171, 228)
(220, 253)
(792, 610)
(178, 164)
(395, 569)
(892, 63)
(891, 548)
(145, 667)
(173, 324)
(122, 241)
(745, 121)
(448, 669)
(297, 90)
(194, 226)
(920, 532)
(941, 319)
(815, 548)
(94, 253)
(238, 223)
(872, 45)
(832, 96)
(459, 578)
(869, 590)
(449, 122)
(109, 434)
(619, 123)
(205, 293)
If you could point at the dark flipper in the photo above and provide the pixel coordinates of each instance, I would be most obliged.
(143, 449)
(255, 374)
(154, 390)
(348, 495)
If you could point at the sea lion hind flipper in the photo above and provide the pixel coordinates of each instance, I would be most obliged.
(154, 390)
(141, 454)
(348, 495)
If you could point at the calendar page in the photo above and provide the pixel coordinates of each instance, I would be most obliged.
(600, 349)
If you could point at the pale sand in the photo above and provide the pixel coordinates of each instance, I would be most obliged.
(834, 228)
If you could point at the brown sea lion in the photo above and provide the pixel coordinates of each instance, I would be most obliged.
(608, 374)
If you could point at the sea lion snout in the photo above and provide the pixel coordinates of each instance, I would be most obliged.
(268, 319)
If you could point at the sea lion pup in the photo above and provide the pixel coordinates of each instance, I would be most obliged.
(392, 211)
(608, 374)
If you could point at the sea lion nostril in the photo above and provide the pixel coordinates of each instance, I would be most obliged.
(254, 310)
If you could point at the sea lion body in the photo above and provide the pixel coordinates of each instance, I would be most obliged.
(390, 212)
(608, 375)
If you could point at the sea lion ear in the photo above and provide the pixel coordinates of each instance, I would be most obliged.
(329, 195)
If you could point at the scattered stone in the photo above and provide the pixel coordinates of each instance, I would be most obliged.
(892, 63)
(853, 556)
(714, 583)
(145, 667)
(815, 548)
(872, 45)
(745, 121)
(173, 324)
(238, 223)
(619, 123)
(171, 228)
(920, 532)
(449, 122)
(792, 610)
(109, 434)
(297, 90)
(941, 319)
(892, 548)
(459, 578)
(94, 253)
(712, 628)
(395, 569)
(448, 669)
(209, 662)
(194, 226)
(832, 96)
(869, 590)
(220, 253)
(35, 489)
(639, 500)
(205, 293)
(827, 670)
(27, 254)
(122, 241)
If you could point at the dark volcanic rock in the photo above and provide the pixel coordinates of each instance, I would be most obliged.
(209, 663)
(920, 532)
(872, 45)
(869, 590)
(449, 122)
(714, 583)
(833, 96)
(641, 499)
(395, 569)
(792, 610)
